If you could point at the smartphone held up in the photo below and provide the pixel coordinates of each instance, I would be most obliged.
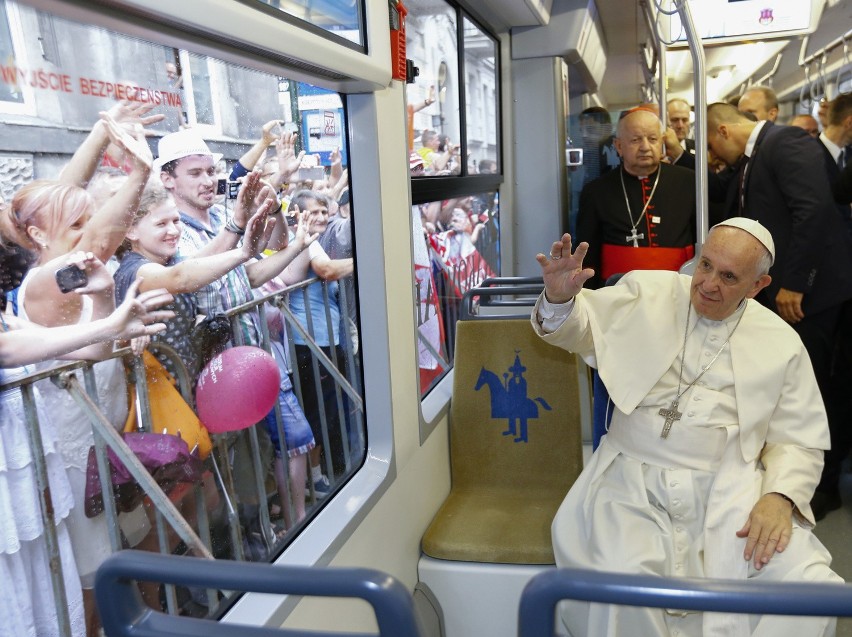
(70, 278)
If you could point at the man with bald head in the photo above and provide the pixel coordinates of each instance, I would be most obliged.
(807, 123)
(678, 111)
(761, 102)
(642, 214)
(715, 445)
(781, 181)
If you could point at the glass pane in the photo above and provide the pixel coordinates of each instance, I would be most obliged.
(315, 432)
(341, 17)
(202, 94)
(10, 87)
(480, 67)
(433, 100)
(456, 247)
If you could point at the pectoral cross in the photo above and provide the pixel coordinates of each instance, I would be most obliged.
(635, 237)
(671, 415)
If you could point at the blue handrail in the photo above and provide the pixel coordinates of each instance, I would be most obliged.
(546, 590)
(124, 613)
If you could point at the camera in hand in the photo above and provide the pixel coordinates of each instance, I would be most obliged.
(231, 188)
(70, 278)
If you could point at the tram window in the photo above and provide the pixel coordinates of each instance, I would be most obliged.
(199, 86)
(229, 106)
(456, 247)
(434, 126)
(480, 63)
(455, 217)
(15, 96)
(339, 18)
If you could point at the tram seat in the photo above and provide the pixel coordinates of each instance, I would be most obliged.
(537, 616)
(492, 533)
(124, 613)
(507, 484)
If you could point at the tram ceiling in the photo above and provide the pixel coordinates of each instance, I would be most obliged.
(728, 66)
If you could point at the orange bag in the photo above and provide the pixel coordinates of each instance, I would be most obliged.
(169, 411)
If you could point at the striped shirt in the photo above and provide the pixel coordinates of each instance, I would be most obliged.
(227, 292)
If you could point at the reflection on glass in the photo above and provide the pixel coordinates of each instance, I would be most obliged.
(341, 17)
(258, 121)
(434, 129)
(480, 58)
(456, 247)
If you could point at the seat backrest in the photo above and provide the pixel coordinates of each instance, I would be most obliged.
(515, 434)
(546, 590)
(123, 612)
(515, 414)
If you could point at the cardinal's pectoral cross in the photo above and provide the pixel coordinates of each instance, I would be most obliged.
(671, 415)
(635, 237)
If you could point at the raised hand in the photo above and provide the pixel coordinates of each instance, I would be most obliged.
(134, 146)
(269, 131)
(99, 278)
(132, 115)
(253, 193)
(258, 229)
(563, 271)
(288, 161)
(302, 239)
(140, 315)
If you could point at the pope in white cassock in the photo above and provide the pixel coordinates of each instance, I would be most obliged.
(716, 441)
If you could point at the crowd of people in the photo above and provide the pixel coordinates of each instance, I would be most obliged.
(726, 443)
(151, 248)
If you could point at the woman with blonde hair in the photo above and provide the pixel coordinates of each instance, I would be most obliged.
(54, 219)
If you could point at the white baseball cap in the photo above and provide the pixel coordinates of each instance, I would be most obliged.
(182, 144)
(755, 229)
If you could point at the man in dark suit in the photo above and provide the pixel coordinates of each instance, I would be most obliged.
(761, 102)
(836, 139)
(678, 110)
(782, 183)
(640, 216)
(843, 188)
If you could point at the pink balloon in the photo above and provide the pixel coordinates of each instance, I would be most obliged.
(237, 388)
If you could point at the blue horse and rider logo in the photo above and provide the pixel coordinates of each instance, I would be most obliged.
(509, 398)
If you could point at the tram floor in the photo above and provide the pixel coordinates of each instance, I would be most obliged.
(834, 531)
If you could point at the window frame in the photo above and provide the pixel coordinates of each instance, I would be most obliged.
(16, 32)
(435, 402)
(349, 506)
(213, 71)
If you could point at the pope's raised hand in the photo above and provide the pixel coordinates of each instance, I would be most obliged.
(563, 271)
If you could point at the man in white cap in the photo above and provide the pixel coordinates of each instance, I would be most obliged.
(188, 170)
(715, 445)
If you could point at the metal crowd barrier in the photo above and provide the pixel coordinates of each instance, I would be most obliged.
(546, 590)
(124, 614)
(105, 435)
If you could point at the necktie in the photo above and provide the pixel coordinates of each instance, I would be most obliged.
(841, 161)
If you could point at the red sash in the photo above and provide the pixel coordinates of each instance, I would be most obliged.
(618, 259)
